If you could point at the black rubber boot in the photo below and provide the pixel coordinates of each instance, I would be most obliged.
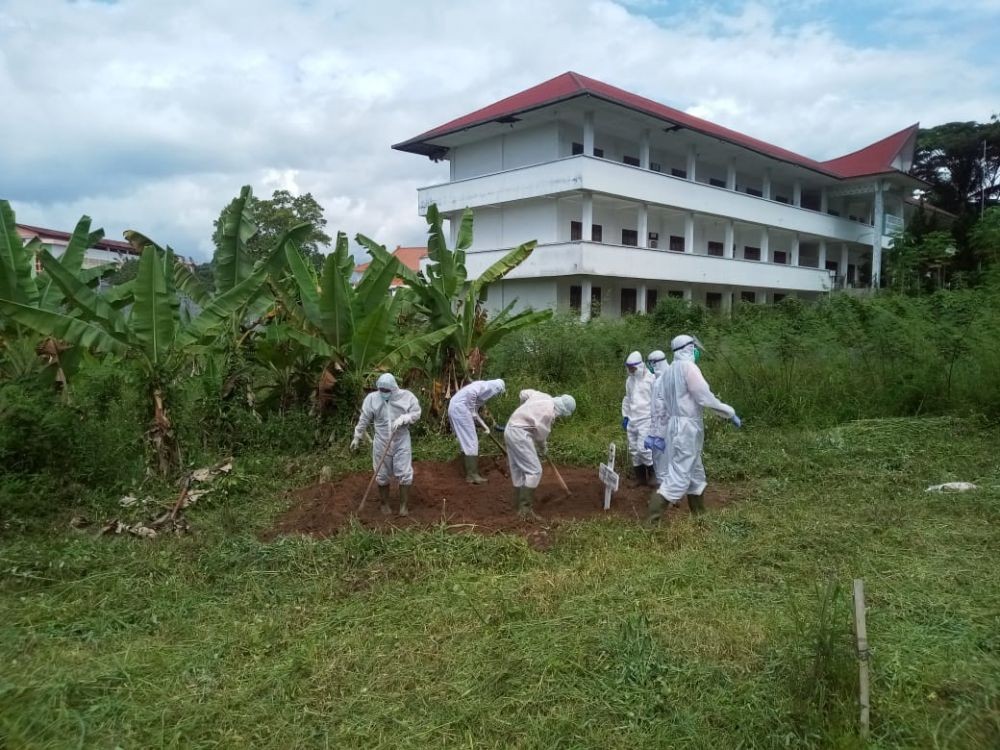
(651, 480)
(383, 496)
(637, 476)
(472, 475)
(525, 498)
(697, 504)
(655, 509)
(404, 496)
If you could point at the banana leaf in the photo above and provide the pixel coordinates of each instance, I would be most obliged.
(232, 260)
(16, 264)
(64, 328)
(92, 306)
(153, 320)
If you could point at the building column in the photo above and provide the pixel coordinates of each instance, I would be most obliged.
(766, 186)
(689, 232)
(796, 192)
(877, 229)
(727, 301)
(765, 245)
(640, 300)
(643, 225)
(731, 175)
(821, 262)
(688, 294)
(795, 249)
(845, 259)
(588, 133)
(586, 289)
(587, 217)
(644, 149)
(729, 245)
(824, 201)
(692, 162)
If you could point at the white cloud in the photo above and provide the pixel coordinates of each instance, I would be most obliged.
(151, 114)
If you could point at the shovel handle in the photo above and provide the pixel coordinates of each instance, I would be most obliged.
(558, 475)
(378, 468)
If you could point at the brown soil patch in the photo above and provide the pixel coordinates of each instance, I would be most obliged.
(440, 495)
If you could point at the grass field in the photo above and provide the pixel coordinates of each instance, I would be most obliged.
(732, 632)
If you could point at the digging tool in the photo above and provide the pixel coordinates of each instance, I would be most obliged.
(378, 468)
(492, 436)
(558, 476)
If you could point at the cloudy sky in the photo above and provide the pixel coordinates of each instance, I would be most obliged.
(150, 114)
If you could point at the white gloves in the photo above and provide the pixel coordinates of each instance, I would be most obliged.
(355, 443)
(400, 422)
(486, 429)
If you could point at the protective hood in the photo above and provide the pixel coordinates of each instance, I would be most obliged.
(497, 386)
(655, 359)
(386, 380)
(565, 405)
(683, 347)
(635, 360)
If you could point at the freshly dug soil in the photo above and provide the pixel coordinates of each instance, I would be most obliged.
(440, 495)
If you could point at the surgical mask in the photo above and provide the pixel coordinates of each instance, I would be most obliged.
(652, 364)
(697, 355)
(385, 395)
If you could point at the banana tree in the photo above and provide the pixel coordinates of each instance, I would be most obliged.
(449, 300)
(351, 327)
(150, 332)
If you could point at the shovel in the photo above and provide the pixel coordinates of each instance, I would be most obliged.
(378, 468)
(558, 476)
(492, 436)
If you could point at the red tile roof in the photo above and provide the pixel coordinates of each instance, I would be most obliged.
(873, 159)
(43, 234)
(408, 256)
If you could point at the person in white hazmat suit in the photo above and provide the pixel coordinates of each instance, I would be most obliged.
(392, 410)
(636, 416)
(463, 413)
(656, 442)
(526, 435)
(686, 394)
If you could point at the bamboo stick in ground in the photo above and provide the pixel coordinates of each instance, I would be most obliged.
(861, 633)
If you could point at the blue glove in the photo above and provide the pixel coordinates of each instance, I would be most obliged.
(653, 443)
(624, 423)
(499, 427)
(737, 422)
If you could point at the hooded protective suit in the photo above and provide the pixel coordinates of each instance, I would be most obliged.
(528, 430)
(396, 410)
(660, 417)
(636, 409)
(686, 393)
(463, 408)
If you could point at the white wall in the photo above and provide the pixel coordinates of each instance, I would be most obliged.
(518, 148)
(537, 294)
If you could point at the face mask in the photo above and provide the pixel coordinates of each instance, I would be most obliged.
(697, 355)
(385, 396)
(652, 365)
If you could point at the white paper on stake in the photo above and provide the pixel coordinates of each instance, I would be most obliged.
(608, 477)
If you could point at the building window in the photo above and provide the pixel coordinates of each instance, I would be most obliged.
(676, 243)
(751, 253)
(654, 240)
(778, 297)
(780, 256)
(675, 294)
(715, 182)
(833, 212)
(575, 293)
(651, 300)
(715, 248)
(781, 199)
(575, 231)
(628, 302)
(630, 237)
(832, 265)
(599, 152)
(596, 233)
(595, 302)
(750, 297)
(632, 161)
(755, 192)
(577, 149)
(713, 300)
(655, 166)
(679, 172)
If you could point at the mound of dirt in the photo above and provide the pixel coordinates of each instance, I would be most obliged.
(440, 495)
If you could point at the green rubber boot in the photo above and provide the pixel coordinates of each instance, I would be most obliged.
(651, 480)
(525, 498)
(697, 504)
(655, 508)
(404, 496)
(472, 475)
(383, 496)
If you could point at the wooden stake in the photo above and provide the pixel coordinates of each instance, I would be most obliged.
(861, 634)
(559, 476)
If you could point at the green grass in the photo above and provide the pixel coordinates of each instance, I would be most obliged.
(730, 633)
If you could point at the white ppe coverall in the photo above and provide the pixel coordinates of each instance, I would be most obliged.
(463, 408)
(660, 420)
(636, 408)
(527, 430)
(400, 410)
(686, 393)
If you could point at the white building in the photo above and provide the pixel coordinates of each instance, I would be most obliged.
(55, 241)
(631, 200)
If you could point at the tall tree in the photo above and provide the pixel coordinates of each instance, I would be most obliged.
(276, 215)
(950, 158)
